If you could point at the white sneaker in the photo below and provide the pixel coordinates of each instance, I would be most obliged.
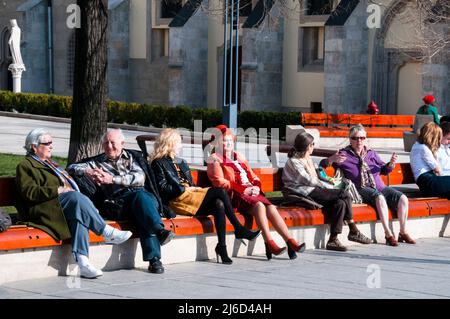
(90, 272)
(118, 237)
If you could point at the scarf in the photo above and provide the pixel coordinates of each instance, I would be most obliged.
(309, 166)
(237, 172)
(367, 179)
(62, 174)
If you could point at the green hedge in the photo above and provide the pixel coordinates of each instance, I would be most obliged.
(145, 114)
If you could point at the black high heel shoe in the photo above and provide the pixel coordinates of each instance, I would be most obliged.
(244, 233)
(222, 252)
(292, 254)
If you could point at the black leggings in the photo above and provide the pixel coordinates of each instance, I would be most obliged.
(218, 203)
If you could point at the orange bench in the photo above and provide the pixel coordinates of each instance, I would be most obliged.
(337, 125)
(21, 237)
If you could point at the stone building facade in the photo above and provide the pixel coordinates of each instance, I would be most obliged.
(316, 56)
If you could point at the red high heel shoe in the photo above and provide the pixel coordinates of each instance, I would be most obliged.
(294, 247)
(272, 248)
(405, 238)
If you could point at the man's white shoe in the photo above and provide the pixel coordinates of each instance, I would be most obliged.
(118, 237)
(90, 272)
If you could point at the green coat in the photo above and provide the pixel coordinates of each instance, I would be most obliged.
(37, 203)
(431, 110)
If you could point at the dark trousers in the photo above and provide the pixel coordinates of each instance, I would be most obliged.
(337, 206)
(432, 185)
(143, 208)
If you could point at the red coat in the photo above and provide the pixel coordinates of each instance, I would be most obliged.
(224, 176)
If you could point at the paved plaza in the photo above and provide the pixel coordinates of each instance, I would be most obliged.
(372, 271)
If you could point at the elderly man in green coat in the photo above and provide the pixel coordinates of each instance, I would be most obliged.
(49, 199)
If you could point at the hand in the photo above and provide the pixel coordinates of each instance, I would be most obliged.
(438, 171)
(100, 177)
(394, 159)
(337, 157)
(63, 189)
(252, 191)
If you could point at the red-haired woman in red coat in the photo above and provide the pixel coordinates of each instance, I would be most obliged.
(231, 171)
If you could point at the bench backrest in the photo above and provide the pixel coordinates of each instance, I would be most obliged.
(270, 180)
(7, 189)
(324, 119)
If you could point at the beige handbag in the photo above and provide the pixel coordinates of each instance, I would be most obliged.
(189, 202)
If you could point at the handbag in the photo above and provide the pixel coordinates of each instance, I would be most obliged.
(113, 209)
(344, 183)
(5, 221)
(189, 202)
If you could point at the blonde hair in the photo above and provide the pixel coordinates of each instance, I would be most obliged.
(165, 144)
(430, 134)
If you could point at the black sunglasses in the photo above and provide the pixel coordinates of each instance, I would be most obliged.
(355, 138)
(46, 143)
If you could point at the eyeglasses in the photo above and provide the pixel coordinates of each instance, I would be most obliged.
(355, 138)
(46, 143)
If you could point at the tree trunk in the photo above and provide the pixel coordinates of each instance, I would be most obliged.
(89, 112)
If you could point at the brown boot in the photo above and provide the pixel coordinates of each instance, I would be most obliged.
(335, 244)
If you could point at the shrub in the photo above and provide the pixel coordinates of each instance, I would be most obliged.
(145, 114)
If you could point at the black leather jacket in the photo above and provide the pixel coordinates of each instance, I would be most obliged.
(88, 188)
(168, 181)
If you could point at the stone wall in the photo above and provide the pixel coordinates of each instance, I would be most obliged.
(346, 64)
(62, 35)
(35, 49)
(188, 62)
(261, 70)
(118, 52)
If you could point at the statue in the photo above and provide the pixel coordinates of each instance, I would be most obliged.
(17, 67)
(14, 45)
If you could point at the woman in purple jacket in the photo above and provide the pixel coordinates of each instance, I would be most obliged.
(363, 167)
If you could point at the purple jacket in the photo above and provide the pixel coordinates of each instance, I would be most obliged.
(350, 167)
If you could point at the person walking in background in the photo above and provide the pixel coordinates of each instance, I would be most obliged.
(230, 170)
(429, 108)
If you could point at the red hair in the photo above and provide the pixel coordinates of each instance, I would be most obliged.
(225, 132)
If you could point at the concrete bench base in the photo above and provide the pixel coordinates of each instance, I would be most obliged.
(46, 262)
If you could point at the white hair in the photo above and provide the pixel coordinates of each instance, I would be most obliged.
(34, 138)
(357, 128)
(118, 131)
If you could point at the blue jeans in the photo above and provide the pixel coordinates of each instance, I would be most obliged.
(81, 216)
(432, 185)
(143, 207)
